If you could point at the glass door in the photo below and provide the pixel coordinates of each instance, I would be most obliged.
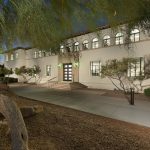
(67, 72)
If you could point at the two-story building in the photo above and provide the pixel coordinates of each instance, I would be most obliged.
(80, 57)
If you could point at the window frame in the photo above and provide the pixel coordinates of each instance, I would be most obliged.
(6, 57)
(48, 72)
(139, 61)
(40, 54)
(85, 45)
(76, 46)
(119, 38)
(35, 54)
(95, 43)
(11, 56)
(106, 38)
(94, 69)
(133, 34)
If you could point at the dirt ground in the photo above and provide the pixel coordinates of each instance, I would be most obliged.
(111, 93)
(60, 128)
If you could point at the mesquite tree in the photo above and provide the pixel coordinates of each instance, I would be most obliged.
(123, 74)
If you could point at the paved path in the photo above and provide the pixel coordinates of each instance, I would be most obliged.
(91, 102)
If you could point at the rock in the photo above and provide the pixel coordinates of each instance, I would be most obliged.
(29, 111)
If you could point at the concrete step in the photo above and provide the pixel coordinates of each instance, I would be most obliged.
(62, 85)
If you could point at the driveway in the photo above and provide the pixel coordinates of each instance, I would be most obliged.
(92, 102)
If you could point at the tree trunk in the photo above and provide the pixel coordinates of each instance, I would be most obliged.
(11, 112)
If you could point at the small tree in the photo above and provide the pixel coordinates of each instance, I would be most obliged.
(28, 73)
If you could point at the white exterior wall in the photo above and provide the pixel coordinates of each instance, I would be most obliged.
(42, 62)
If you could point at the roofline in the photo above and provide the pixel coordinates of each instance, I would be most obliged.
(16, 48)
(87, 32)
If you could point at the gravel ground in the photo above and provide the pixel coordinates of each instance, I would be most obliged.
(60, 128)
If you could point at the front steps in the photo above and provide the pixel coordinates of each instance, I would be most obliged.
(63, 85)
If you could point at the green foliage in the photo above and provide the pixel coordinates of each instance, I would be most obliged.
(147, 92)
(26, 72)
(21, 70)
(114, 67)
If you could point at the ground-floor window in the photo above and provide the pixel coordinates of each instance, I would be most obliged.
(95, 68)
(136, 68)
(48, 70)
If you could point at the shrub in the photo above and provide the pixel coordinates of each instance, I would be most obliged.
(8, 80)
(147, 92)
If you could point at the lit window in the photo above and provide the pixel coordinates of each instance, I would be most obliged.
(48, 70)
(135, 35)
(12, 57)
(35, 54)
(95, 68)
(119, 38)
(95, 43)
(40, 53)
(6, 57)
(106, 40)
(17, 55)
(68, 48)
(76, 46)
(62, 50)
(136, 68)
(85, 44)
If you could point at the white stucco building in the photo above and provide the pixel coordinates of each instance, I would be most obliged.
(93, 49)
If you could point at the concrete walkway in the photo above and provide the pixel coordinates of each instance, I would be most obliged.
(92, 102)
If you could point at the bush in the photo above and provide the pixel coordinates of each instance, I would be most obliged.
(8, 80)
(147, 92)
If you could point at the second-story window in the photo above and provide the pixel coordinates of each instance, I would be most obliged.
(12, 57)
(62, 49)
(35, 54)
(106, 40)
(68, 48)
(16, 55)
(6, 57)
(40, 53)
(119, 38)
(135, 35)
(85, 45)
(95, 43)
(76, 46)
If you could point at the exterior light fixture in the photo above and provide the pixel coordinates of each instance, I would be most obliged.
(59, 65)
(76, 64)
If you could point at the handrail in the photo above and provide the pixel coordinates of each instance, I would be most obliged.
(52, 79)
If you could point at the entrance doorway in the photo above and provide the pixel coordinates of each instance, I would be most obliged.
(67, 72)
